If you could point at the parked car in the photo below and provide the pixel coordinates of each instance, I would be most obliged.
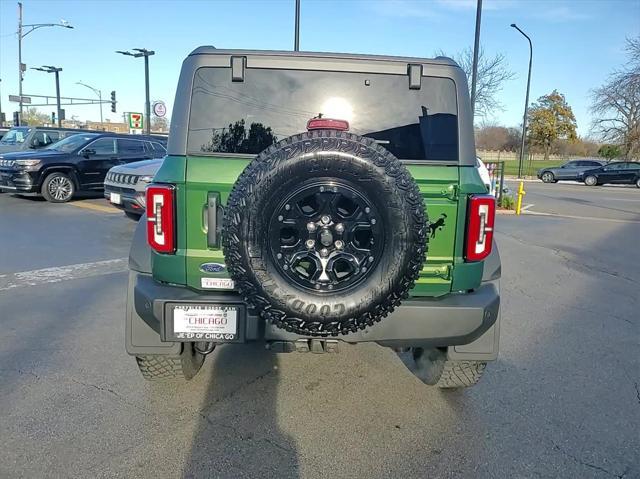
(571, 170)
(79, 162)
(303, 225)
(125, 185)
(483, 171)
(25, 138)
(619, 172)
(3, 131)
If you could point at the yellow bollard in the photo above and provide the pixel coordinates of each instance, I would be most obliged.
(521, 193)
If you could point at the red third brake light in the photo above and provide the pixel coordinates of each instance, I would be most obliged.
(327, 124)
(161, 231)
(481, 215)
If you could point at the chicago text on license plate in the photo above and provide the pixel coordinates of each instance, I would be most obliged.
(205, 323)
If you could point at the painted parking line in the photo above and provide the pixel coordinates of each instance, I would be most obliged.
(58, 274)
(526, 207)
(95, 207)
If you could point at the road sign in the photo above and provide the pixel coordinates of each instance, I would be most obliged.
(159, 109)
(16, 99)
(136, 121)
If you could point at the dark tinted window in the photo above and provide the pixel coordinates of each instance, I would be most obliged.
(103, 146)
(633, 166)
(43, 138)
(130, 147)
(269, 105)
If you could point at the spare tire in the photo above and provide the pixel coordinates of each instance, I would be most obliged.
(325, 233)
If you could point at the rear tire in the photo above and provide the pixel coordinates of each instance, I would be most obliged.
(638, 183)
(433, 368)
(132, 216)
(591, 180)
(547, 177)
(58, 188)
(157, 367)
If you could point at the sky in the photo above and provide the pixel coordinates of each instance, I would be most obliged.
(576, 43)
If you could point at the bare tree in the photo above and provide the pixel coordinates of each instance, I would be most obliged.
(492, 73)
(616, 105)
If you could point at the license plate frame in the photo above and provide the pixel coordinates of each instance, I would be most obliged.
(215, 333)
(115, 198)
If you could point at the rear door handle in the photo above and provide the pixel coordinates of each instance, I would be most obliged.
(213, 200)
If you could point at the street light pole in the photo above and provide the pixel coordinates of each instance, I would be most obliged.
(56, 70)
(59, 116)
(147, 106)
(526, 102)
(476, 49)
(21, 35)
(97, 92)
(143, 52)
(296, 40)
(20, 61)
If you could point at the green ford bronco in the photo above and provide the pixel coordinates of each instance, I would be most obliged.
(310, 200)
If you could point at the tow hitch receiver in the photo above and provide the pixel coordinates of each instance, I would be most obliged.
(317, 346)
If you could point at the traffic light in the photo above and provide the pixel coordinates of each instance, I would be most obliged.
(113, 101)
(63, 114)
(53, 117)
(16, 118)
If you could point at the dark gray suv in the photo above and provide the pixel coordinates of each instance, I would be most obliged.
(569, 171)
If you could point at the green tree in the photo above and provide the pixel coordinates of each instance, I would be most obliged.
(610, 152)
(550, 119)
(33, 117)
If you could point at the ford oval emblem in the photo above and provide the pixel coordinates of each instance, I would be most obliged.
(212, 267)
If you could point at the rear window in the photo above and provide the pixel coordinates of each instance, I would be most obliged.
(269, 105)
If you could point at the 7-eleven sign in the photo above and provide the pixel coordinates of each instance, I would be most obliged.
(136, 121)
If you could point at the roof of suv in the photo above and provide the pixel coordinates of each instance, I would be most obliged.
(211, 50)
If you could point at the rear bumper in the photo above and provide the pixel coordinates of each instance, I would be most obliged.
(456, 319)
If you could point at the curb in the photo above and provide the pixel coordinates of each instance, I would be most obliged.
(500, 211)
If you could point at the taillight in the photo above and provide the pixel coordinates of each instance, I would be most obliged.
(481, 215)
(161, 230)
(327, 124)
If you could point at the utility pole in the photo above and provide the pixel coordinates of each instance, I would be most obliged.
(56, 71)
(526, 102)
(296, 40)
(143, 52)
(21, 35)
(476, 49)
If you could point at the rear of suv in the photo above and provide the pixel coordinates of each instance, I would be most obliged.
(77, 163)
(310, 200)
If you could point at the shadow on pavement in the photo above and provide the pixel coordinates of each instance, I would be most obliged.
(238, 436)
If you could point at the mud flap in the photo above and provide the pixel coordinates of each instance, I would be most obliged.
(140, 338)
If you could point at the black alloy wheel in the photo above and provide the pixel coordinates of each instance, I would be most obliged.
(325, 236)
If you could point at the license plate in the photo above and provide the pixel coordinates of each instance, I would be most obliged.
(205, 322)
(115, 198)
(217, 283)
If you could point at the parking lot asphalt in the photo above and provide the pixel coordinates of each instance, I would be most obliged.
(563, 399)
(613, 203)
